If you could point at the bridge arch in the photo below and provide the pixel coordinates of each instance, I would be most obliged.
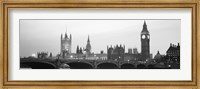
(37, 65)
(151, 66)
(141, 66)
(128, 66)
(79, 65)
(107, 65)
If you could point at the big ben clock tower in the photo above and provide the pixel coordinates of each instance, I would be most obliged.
(145, 39)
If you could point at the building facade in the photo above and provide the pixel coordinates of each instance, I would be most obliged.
(173, 53)
(42, 55)
(116, 52)
(66, 44)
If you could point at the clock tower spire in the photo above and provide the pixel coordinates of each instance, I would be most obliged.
(145, 39)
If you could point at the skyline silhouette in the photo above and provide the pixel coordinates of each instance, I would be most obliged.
(125, 32)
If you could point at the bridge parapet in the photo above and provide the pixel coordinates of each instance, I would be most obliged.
(93, 63)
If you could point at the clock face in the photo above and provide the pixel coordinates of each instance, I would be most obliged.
(143, 36)
(148, 36)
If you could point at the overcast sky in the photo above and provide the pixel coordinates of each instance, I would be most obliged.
(44, 35)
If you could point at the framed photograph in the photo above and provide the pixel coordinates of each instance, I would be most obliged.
(88, 44)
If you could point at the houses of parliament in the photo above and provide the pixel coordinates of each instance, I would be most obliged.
(116, 52)
(115, 58)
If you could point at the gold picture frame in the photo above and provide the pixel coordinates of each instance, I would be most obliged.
(7, 84)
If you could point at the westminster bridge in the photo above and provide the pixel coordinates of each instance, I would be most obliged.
(47, 63)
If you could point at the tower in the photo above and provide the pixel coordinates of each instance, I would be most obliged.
(88, 46)
(110, 52)
(77, 50)
(130, 51)
(65, 44)
(135, 51)
(145, 39)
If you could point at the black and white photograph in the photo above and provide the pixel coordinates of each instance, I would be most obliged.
(99, 43)
(113, 44)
